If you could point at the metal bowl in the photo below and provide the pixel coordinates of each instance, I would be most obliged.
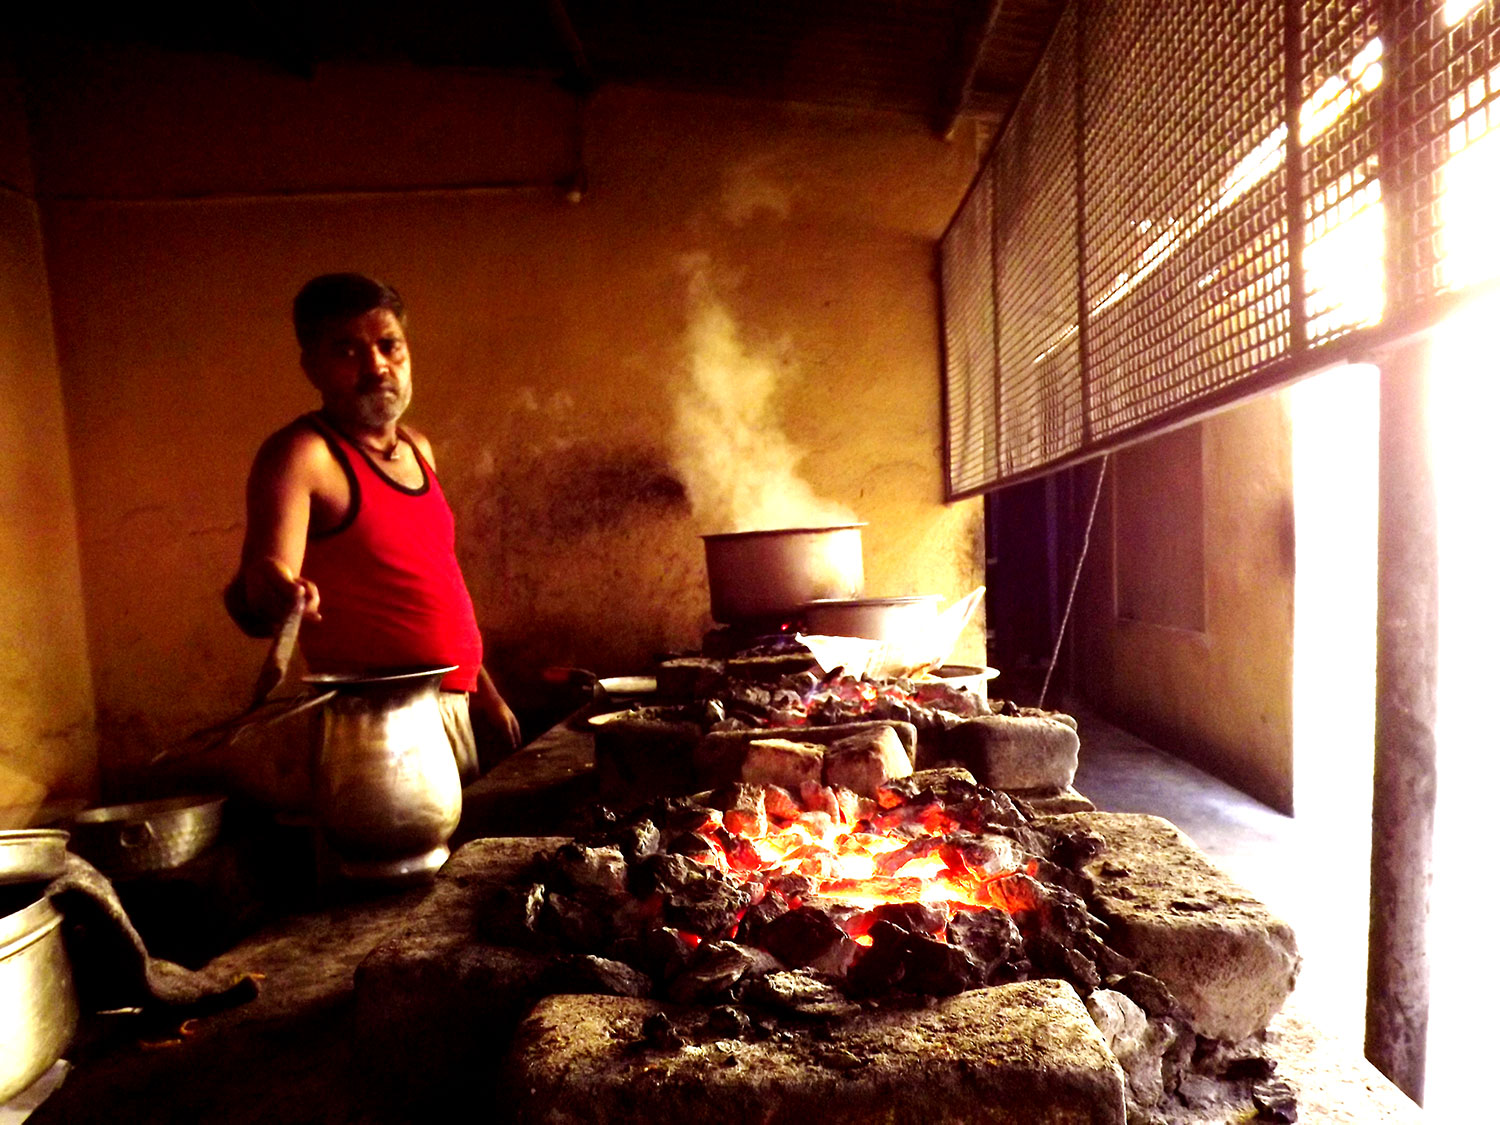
(38, 1008)
(32, 855)
(147, 835)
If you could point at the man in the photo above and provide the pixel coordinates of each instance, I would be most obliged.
(345, 513)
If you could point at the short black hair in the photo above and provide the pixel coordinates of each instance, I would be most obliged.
(338, 296)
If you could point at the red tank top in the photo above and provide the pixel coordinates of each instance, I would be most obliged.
(391, 594)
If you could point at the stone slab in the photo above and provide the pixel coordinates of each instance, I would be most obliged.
(434, 1007)
(1020, 1053)
(1230, 962)
(1051, 802)
(720, 757)
(1016, 751)
(532, 792)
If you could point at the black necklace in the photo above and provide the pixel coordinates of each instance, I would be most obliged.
(391, 454)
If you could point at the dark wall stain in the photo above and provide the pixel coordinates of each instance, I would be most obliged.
(596, 490)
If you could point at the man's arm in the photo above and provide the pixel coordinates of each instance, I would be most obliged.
(278, 503)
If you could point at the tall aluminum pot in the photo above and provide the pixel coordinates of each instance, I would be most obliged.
(754, 575)
(386, 789)
(38, 1008)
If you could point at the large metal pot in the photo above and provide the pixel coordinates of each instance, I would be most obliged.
(38, 1008)
(876, 619)
(386, 789)
(754, 575)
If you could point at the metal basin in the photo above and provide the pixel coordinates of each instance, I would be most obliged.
(38, 1008)
(147, 835)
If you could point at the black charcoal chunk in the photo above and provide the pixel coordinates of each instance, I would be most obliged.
(714, 969)
(913, 917)
(800, 993)
(728, 1022)
(576, 923)
(987, 936)
(587, 973)
(659, 1033)
(637, 840)
(514, 917)
(664, 951)
(808, 938)
(590, 869)
(1275, 1100)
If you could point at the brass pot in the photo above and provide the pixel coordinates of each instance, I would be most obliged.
(386, 789)
(38, 1008)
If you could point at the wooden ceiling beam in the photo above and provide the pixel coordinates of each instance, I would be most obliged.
(976, 22)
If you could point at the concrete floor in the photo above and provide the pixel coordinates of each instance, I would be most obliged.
(1313, 870)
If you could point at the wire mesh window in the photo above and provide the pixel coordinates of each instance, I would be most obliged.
(1195, 201)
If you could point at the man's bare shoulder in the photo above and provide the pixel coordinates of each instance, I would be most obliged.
(419, 439)
(295, 449)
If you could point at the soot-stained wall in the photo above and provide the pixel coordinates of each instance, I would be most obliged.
(728, 260)
(46, 703)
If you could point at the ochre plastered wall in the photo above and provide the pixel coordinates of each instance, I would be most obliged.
(1221, 697)
(548, 339)
(47, 755)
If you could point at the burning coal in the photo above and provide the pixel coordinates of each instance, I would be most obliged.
(741, 469)
(935, 886)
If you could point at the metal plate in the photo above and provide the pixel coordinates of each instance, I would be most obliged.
(629, 685)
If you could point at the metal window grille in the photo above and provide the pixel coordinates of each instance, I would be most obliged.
(1195, 201)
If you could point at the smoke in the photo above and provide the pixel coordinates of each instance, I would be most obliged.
(739, 467)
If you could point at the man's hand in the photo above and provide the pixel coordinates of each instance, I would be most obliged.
(264, 594)
(496, 712)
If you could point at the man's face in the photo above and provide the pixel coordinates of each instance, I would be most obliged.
(362, 369)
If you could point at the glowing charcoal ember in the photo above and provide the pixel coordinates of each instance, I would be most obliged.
(945, 784)
(781, 804)
(983, 857)
(777, 761)
(744, 809)
(817, 798)
(962, 897)
(922, 847)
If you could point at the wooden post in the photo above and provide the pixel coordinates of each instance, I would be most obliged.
(1405, 713)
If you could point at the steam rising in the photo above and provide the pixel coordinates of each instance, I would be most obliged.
(740, 469)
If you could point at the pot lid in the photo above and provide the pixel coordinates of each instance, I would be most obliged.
(840, 603)
(357, 679)
(784, 531)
